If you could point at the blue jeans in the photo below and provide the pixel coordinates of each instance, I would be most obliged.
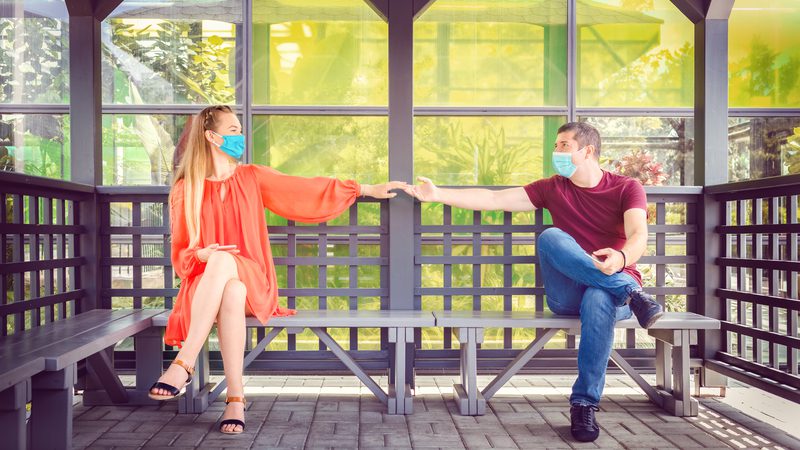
(574, 286)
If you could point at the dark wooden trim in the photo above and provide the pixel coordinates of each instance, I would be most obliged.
(791, 304)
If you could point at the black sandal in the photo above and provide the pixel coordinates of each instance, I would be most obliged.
(173, 391)
(233, 421)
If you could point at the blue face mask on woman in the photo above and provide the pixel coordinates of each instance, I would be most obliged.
(562, 163)
(232, 145)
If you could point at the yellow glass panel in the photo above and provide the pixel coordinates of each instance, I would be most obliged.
(764, 54)
(485, 53)
(344, 147)
(634, 53)
(319, 53)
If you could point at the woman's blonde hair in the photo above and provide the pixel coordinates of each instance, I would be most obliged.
(195, 165)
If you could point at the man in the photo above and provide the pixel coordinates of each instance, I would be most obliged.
(588, 258)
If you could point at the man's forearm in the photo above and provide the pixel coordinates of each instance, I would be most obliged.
(475, 199)
(635, 247)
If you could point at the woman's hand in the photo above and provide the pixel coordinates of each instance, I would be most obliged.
(383, 190)
(425, 191)
(204, 253)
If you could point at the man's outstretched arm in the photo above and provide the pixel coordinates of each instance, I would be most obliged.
(512, 199)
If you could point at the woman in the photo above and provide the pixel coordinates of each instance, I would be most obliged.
(221, 251)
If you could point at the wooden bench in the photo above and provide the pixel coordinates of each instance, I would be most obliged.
(40, 365)
(674, 333)
(400, 325)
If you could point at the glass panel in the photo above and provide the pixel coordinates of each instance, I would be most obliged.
(34, 51)
(764, 54)
(139, 148)
(174, 52)
(332, 146)
(481, 53)
(655, 150)
(486, 151)
(761, 147)
(319, 53)
(35, 144)
(634, 53)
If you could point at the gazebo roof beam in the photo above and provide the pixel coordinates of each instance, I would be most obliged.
(697, 10)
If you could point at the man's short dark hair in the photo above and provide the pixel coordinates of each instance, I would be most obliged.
(584, 133)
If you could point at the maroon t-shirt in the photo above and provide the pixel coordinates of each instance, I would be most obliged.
(593, 216)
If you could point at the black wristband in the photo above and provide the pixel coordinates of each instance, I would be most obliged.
(624, 261)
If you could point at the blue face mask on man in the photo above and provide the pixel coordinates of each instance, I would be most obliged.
(232, 145)
(563, 165)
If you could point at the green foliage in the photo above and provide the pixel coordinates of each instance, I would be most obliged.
(33, 60)
(793, 151)
(181, 64)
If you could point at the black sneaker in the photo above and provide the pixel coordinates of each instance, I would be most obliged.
(584, 426)
(645, 308)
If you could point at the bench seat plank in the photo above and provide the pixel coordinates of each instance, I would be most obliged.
(73, 341)
(546, 319)
(13, 371)
(338, 319)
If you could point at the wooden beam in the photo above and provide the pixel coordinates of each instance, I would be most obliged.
(381, 8)
(102, 8)
(420, 6)
(694, 10)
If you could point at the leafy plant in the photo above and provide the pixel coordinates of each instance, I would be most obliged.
(638, 164)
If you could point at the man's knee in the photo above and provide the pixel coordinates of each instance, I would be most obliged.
(548, 239)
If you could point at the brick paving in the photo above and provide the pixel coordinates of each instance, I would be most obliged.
(337, 412)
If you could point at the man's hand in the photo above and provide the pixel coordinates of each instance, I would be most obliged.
(204, 253)
(612, 260)
(383, 190)
(425, 191)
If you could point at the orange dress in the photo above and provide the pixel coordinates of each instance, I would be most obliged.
(239, 219)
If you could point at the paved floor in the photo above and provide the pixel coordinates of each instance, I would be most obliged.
(337, 412)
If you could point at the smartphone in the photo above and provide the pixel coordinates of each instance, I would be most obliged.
(594, 258)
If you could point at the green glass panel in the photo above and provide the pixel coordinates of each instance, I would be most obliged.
(35, 144)
(760, 147)
(138, 149)
(634, 53)
(34, 52)
(173, 52)
(764, 54)
(351, 147)
(488, 151)
(481, 53)
(319, 53)
(658, 151)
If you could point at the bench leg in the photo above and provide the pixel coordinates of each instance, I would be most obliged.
(683, 404)
(51, 412)
(351, 364)
(400, 399)
(195, 401)
(542, 338)
(149, 363)
(672, 371)
(663, 365)
(13, 415)
(466, 395)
